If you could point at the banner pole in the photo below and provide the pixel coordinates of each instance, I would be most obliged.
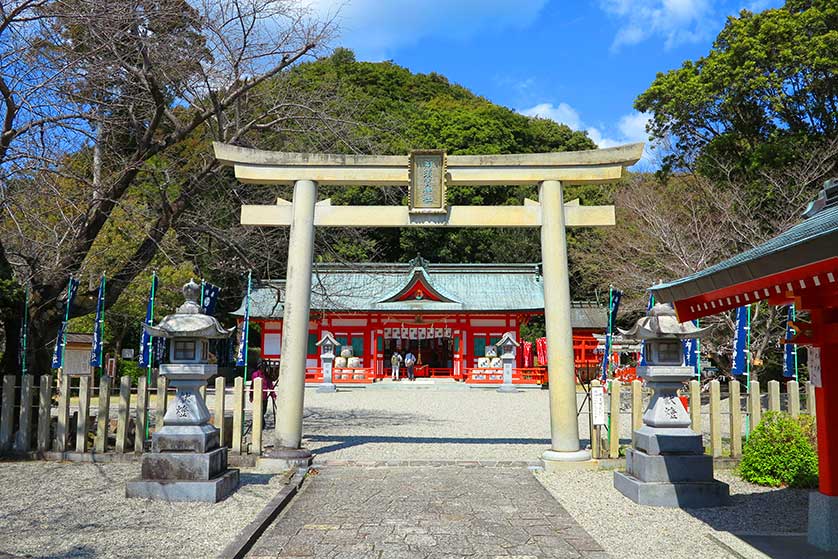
(246, 332)
(25, 328)
(150, 356)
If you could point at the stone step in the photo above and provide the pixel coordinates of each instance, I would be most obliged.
(691, 494)
(669, 467)
(187, 466)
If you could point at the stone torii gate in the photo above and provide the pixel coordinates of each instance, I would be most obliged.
(428, 173)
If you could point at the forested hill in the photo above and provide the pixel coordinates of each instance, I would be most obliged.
(386, 109)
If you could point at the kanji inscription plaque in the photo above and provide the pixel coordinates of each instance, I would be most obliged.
(427, 181)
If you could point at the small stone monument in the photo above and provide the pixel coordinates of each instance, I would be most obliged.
(186, 462)
(507, 345)
(666, 465)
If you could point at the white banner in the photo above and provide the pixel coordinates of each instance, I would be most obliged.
(423, 333)
(437, 332)
(404, 332)
(387, 332)
(814, 356)
(413, 333)
(448, 332)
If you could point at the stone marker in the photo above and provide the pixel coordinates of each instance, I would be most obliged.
(666, 465)
(186, 462)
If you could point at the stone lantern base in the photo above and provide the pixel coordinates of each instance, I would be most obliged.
(185, 476)
(668, 468)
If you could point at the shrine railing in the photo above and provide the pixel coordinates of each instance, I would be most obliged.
(363, 375)
(520, 375)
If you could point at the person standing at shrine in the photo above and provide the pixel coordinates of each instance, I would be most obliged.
(395, 365)
(410, 362)
(267, 387)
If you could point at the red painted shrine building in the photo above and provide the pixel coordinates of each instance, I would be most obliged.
(446, 314)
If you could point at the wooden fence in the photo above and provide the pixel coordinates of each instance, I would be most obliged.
(118, 418)
(121, 418)
(725, 422)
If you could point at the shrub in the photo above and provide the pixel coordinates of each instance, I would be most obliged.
(131, 369)
(779, 453)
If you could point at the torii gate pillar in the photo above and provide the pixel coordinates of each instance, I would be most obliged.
(428, 174)
(564, 425)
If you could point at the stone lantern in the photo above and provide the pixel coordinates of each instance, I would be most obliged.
(666, 465)
(327, 345)
(507, 346)
(186, 462)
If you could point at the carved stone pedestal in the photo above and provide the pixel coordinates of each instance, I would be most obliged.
(186, 462)
(666, 465)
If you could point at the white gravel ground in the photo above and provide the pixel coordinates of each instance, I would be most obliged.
(426, 424)
(50, 509)
(628, 530)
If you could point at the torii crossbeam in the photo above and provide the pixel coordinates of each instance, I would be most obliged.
(428, 173)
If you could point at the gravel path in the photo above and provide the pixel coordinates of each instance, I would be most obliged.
(628, 530)
(371, 424)
(50, 509)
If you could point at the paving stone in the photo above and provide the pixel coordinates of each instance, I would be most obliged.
(431, 511)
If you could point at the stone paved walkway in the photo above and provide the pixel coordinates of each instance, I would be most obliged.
(423, 513)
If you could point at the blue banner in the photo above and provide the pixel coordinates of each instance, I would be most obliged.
(241, 354)
(649, 305)
(790, 350)
(209, 297)
(739, 362)
(691, 357)
(24, 333)
(146, 358)
(98, 327)
(58, 351)
(615, 295)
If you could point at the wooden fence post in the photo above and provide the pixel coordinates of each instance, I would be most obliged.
(754, 406)
(257, 411)
(715, 419)
(141, 418)
(735, 404)
(63, 413)
(793, 397)
(23, 442)
(44, 412)
(84, 413)
(810, 398)
(161, 401)
(614, 422)
(773, 395)
(220, 383)
(636, 404)
(7, 410)
(695, 406)
(238, 413)
(596, 441)
(123, 414)
(103, 417)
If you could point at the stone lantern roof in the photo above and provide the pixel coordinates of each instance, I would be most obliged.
(189, 321)
(663, 323)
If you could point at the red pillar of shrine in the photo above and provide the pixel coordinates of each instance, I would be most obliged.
(823, 505)
(826, 399)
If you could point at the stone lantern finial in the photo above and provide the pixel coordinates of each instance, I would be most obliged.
(192, 294)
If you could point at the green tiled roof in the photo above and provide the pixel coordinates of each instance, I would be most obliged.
(468, 288)
(813, 240)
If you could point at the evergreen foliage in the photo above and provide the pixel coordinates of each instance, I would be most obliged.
(779, 453)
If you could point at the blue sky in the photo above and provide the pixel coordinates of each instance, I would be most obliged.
(578, 62)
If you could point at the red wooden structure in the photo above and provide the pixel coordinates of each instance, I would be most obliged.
(799, 266)
(447, 315)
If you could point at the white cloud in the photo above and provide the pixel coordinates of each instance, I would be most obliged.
(676, 21)
(375, 28)
(563, 113)
(630, 128)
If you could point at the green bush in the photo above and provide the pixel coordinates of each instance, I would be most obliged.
(131, 369)
(779, 453)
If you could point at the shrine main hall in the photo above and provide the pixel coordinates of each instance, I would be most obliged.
(445, 314)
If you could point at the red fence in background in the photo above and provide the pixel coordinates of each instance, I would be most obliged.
(355, 376)
(528, 375)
